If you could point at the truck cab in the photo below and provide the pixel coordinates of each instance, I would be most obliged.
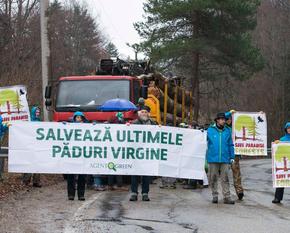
(88, 93)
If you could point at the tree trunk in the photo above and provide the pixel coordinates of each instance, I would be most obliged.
(195, 73)
(195, 86)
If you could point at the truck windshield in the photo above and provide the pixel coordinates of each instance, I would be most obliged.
(88, 95)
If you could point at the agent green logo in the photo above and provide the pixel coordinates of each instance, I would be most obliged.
(112, 166)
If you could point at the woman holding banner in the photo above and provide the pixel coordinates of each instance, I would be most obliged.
(286, 138)
(78, 117)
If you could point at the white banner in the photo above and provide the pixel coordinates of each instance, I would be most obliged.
(74, 148)
(13, 104)
(250, 133)
(281, 164)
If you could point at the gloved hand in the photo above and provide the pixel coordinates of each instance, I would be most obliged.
(8, 124)
(232, 161)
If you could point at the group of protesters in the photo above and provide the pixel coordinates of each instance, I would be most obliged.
(220, 158)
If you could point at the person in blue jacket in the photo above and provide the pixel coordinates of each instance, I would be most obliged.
(220, 154)
(280, 191)
(78, 117)
(35, 116)
(3, 129)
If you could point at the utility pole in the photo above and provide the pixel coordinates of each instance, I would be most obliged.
(45, 52)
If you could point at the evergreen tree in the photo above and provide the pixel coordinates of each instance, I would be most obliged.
(196, 32)
(112, 50)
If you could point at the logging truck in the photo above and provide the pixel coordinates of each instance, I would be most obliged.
(168, 100)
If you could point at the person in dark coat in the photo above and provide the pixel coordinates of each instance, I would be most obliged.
(143, 119)
(78, 117)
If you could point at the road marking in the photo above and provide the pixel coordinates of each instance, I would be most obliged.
(78, 214)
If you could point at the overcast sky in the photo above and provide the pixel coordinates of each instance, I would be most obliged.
(116, 18)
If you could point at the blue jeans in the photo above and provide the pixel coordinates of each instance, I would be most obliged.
(145, 184)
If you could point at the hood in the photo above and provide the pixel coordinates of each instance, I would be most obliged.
(33, 114)
(228, 115)
(287, 125)
(79, 114)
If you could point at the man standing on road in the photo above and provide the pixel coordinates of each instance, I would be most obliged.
(220, 154)
(143, 119)
(236, 165)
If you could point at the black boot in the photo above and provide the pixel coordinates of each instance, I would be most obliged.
(276, 201)
(241, 196)
(37, 185)
(215, 200)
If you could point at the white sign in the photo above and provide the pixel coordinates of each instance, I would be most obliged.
(250, 133)
(75, 148)
(13, 104)
(281, 164)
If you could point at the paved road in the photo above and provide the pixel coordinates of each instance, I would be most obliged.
(47, 210)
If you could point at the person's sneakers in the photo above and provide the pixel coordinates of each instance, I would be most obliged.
(133, 197)
(229, 201)
(276, 201)
(215, 200)
(241, 196)
(82, 199)
(71, 198)
(145, 197)
(37, 185)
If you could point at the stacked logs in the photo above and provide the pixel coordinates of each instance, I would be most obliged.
(173, 85)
